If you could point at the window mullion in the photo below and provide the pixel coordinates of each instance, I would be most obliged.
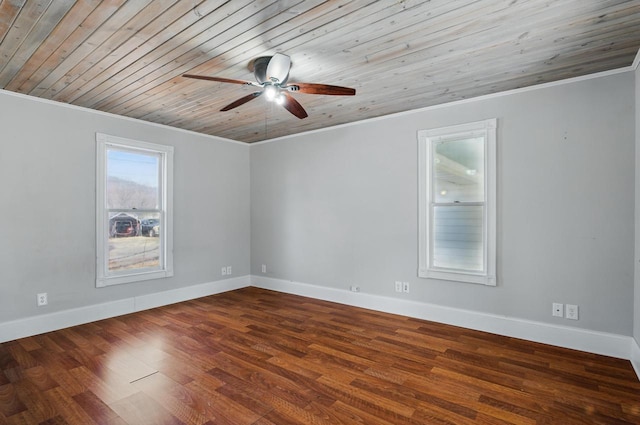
(458, 204)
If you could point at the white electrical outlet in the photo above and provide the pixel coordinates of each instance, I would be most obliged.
(571, 312)
(264, 268)
(229, 273)
(398, 286)
(557, 310)
(42, 299)
(405, 287)
(354, 288)
(224, 271)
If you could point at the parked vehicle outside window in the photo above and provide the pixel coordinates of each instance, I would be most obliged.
(147, 227)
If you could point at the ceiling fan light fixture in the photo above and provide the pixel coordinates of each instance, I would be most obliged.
(279, 99)
(270, 92)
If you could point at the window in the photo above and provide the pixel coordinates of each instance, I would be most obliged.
(134, 204)
(457, 203)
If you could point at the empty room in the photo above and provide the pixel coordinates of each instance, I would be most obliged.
(306, 212)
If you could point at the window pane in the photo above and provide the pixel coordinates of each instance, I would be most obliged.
(459, 170)
(458, 237)
(133, 241)
(132, 180)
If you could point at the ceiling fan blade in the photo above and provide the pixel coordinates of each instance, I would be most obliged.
(278, 68)
(241, 101)
(311, 88)
(219, 79)
(292, 105)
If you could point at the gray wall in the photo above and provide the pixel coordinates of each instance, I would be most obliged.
(636, 317)
(339, 207)
(47, 207)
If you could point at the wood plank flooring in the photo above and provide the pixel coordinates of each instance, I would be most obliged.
(264, 358)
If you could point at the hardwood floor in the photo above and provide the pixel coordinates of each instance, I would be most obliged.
(259, 357)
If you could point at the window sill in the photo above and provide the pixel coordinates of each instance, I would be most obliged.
(458, 277)
(102, 282)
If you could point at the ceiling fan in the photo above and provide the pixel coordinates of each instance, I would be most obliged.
(272, 73)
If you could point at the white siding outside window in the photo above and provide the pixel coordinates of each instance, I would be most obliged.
(457, 202)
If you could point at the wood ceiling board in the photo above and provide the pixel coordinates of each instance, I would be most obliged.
(182, 28)
(127, 57)
(74, 45)
(193, 60)
(104, 59)
(181, 59)
(62, 31)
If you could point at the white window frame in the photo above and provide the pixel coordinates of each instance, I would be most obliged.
(426, 143)
(103, 276)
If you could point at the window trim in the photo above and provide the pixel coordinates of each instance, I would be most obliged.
(426, 139)
(103, 277)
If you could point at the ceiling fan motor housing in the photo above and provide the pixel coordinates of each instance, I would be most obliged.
(260, 68)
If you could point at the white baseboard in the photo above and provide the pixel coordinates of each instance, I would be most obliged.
(635, 356)
(63, 319)
(608, 344)
(562, 336)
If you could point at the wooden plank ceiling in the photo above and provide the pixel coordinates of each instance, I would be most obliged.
(127, 57)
